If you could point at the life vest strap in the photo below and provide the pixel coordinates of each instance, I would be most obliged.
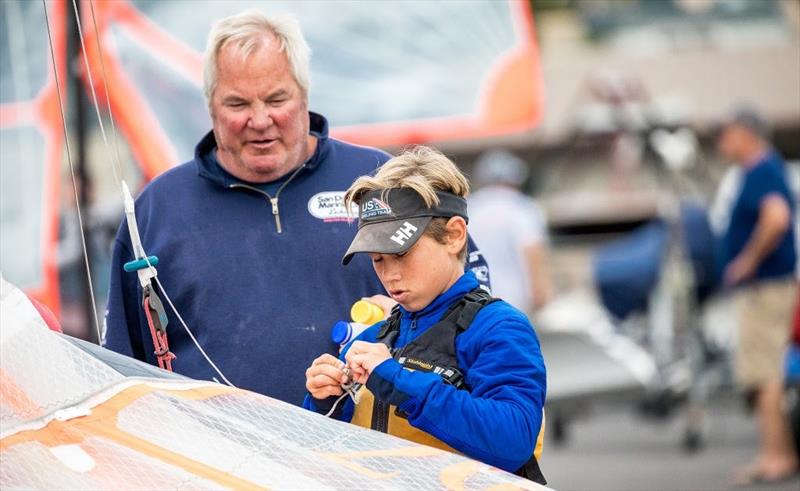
(434, 351)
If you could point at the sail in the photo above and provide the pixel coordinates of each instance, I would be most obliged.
(77, 422)
(384, 73)
(31, 139)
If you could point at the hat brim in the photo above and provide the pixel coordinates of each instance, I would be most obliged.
(377, 237)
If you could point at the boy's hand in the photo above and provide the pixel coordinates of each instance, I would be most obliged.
(363, 357)
(325, 376)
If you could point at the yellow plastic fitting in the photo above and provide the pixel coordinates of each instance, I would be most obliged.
(365, 312)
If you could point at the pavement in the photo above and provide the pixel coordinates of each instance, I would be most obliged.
(613, 448)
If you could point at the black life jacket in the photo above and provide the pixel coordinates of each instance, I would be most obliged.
(433, 351)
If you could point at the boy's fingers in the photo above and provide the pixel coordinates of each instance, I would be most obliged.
(327, 359)
(334, 374)
(324, 392)
(321, 381)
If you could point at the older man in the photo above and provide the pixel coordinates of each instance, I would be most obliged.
(250, 233)
(759, 253)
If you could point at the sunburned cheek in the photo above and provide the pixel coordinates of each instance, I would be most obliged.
(233, 126)
(283, 120)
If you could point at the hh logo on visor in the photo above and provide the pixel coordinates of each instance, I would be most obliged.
(374, 208)
(405, 232)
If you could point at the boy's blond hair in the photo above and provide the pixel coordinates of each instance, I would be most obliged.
(424, 170)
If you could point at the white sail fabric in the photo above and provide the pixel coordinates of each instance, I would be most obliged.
(69, 421)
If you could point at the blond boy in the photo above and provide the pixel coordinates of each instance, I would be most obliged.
(451, 367)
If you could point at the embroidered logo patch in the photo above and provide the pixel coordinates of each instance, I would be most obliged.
(374, 208)
(328, 206)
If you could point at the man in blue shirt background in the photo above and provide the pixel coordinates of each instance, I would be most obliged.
(759, 263)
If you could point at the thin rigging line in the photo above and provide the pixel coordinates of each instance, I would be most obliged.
(72, 172)
(118, 163)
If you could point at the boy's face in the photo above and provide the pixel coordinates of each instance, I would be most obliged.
(414, 279)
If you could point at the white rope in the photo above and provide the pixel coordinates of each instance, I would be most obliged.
(196, 343)
(118, 164)
(350, 389)
(72, 172)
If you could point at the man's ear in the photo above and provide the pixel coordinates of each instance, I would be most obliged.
(456, 234)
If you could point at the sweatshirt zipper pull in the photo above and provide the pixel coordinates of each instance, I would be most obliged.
(276, 212)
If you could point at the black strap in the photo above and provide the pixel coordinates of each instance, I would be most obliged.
(435, 350)
(390, 328)
(532, 472)
(471, 304)
(437, 344)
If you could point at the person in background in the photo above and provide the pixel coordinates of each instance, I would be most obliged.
(512, 231)
(249, 233)
(452, 367)
(759, 259)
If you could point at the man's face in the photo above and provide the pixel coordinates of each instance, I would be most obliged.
(260, 114)
(730, 142)
(415, 278)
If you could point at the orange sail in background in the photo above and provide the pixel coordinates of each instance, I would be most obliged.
(383, 73)
(31, 141)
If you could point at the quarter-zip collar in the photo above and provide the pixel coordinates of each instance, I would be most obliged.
(413, 324)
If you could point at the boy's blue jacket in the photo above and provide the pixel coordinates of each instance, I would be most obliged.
(499, 420)
(260, 303)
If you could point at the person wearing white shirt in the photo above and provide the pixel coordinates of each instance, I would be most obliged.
(512, 230)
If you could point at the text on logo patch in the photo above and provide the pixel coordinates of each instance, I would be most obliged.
(374, 208)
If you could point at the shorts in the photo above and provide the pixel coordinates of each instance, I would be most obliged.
(764, 311)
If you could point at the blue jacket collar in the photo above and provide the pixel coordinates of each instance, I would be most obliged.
(208, 166)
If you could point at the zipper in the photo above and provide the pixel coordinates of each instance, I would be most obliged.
(404, 335)
(273, 201)
(276, 212)
(380, 409)
(380, 416)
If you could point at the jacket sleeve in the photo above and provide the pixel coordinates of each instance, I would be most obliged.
(122, 328)
(499, 420)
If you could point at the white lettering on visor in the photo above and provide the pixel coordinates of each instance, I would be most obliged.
(405, 232)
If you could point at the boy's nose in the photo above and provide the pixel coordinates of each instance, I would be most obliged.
(390, 273)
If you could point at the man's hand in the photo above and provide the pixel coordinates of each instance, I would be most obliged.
(325, 376)
(774, 219)
(740, 269)
(363, 357)
(382, 301)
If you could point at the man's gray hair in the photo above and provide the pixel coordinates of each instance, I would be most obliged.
(246, 30)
